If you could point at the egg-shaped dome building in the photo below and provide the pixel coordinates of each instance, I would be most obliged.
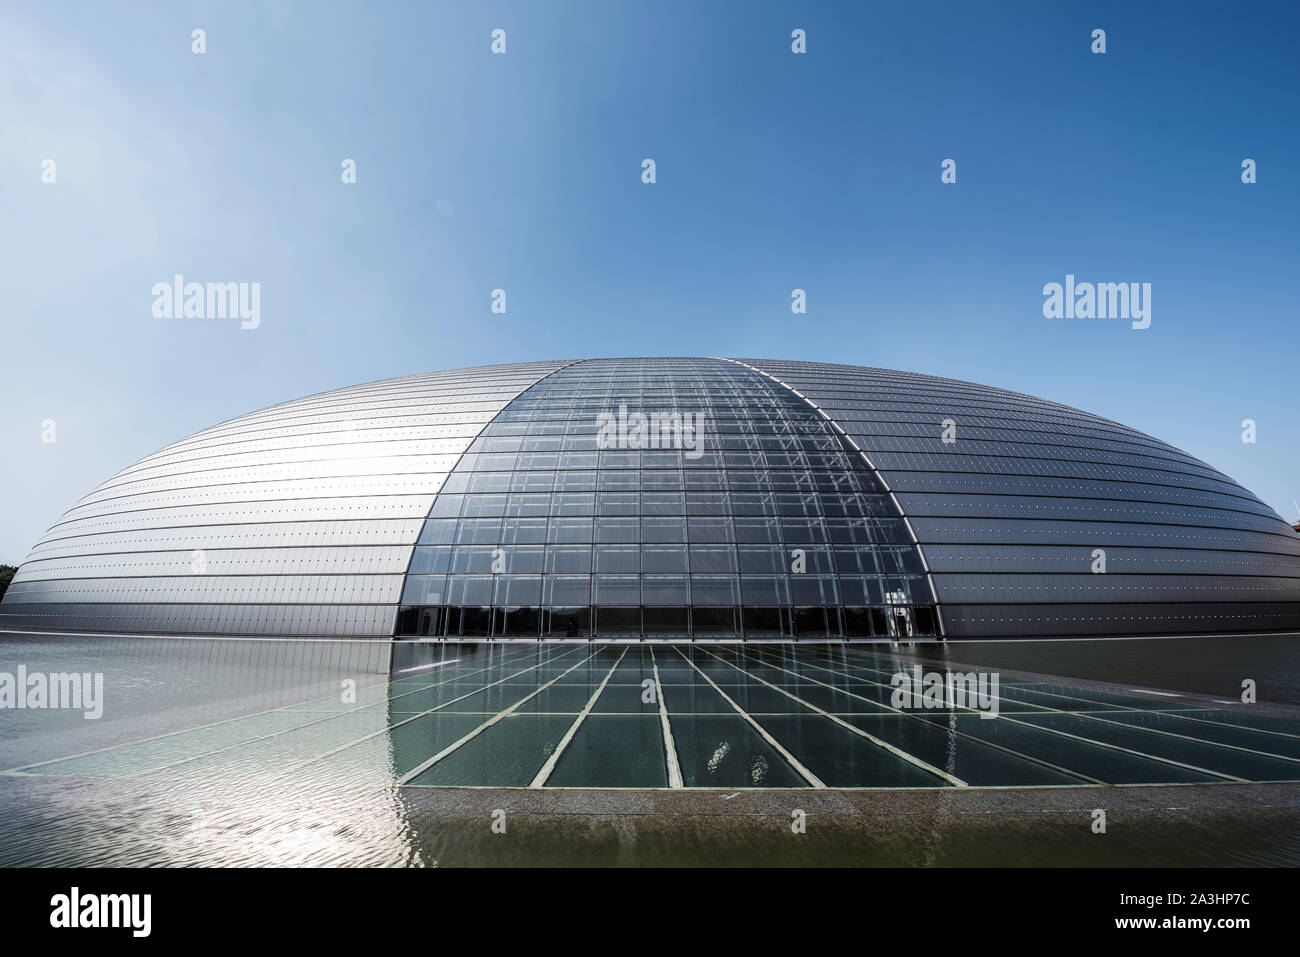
(621, 499)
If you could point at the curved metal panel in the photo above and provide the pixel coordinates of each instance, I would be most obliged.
(1015, 499)
(298, 519)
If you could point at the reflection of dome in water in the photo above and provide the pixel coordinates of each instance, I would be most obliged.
(665, 498)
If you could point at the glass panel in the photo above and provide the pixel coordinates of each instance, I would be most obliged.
(568, 558)
(663, 558)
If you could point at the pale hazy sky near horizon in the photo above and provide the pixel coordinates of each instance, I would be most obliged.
(522, 171)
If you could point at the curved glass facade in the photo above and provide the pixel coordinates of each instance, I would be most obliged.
(665, 498)
(747, 515)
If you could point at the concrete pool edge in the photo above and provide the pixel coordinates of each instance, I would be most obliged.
(1199, 825)
(1202, 825)
(1214, 795)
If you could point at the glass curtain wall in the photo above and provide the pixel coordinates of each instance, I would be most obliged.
(592, 507)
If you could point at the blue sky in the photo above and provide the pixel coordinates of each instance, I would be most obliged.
(523, 172)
